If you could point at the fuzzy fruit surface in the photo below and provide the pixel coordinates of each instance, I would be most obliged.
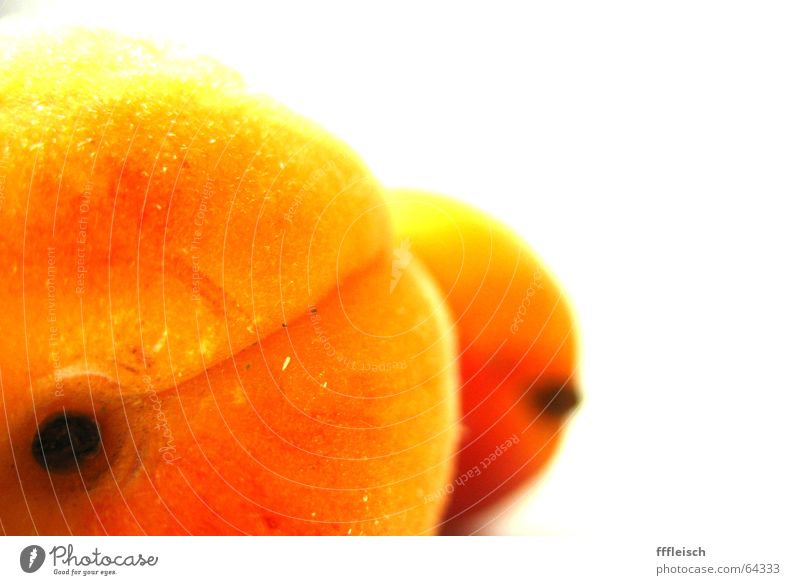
(197, 283)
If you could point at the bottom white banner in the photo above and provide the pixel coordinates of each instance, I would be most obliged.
(540, 559)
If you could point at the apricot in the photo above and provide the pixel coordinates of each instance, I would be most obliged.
(518, 350)
(197, 332)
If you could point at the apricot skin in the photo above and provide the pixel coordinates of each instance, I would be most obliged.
(206, 276)
(212, 279)
(518, 346)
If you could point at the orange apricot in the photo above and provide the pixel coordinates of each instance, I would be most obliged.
(199, 335)
(517, 345)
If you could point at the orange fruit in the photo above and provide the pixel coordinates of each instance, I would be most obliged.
(198, 336)
(518, 346)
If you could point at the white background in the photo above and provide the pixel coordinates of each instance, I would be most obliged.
(649, 152)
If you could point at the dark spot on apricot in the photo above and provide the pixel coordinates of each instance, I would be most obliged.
(556, 400)
(66, 441)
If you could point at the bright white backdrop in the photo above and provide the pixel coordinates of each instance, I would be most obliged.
(648, 151)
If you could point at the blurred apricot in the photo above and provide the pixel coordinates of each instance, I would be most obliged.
(517, 346)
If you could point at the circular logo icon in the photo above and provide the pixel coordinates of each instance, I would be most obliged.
(31, 558)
